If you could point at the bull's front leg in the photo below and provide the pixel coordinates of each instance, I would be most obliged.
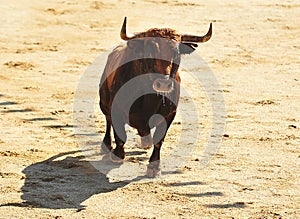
(153, 168)
(106, 143)
(118, 154)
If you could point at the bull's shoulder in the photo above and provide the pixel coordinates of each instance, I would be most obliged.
(117, 52)
(115, 60)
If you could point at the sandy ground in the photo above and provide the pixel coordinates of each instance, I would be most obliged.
(47, 45)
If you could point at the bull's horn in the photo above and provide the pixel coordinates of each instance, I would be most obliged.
(198, 39)
(123, 31)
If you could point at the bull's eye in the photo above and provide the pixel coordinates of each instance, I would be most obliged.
(158, 85)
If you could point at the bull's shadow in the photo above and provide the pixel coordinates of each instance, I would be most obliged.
(64, 181)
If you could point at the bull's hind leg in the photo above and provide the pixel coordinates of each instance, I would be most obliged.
(118, 154)
(106, 143)
(146, 138)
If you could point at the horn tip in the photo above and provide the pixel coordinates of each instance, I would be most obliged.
(209, 33)
(123, 34)
(125, 21)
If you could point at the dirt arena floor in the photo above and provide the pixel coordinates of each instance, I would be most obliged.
(46, 46)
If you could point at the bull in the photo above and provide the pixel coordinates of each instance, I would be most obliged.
(159, 51)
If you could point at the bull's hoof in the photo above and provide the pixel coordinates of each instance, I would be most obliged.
(153, 171)
(117, 156)
(115, 159)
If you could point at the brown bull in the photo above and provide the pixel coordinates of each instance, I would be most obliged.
(153, 51)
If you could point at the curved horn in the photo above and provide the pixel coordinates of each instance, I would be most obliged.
(123, 31)
(198, 39)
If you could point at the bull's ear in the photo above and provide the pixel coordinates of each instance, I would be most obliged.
(136, 44)
(187, 48)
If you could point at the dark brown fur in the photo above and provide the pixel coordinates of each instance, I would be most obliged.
(164, 47)
(145, 106)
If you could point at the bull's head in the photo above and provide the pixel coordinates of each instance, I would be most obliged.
(160, 51)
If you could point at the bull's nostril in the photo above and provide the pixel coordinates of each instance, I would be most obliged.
(163, 86)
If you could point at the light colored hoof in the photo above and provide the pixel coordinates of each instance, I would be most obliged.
(115, 159)
(153, 173)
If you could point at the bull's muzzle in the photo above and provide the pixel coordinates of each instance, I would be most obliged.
(163, 85)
